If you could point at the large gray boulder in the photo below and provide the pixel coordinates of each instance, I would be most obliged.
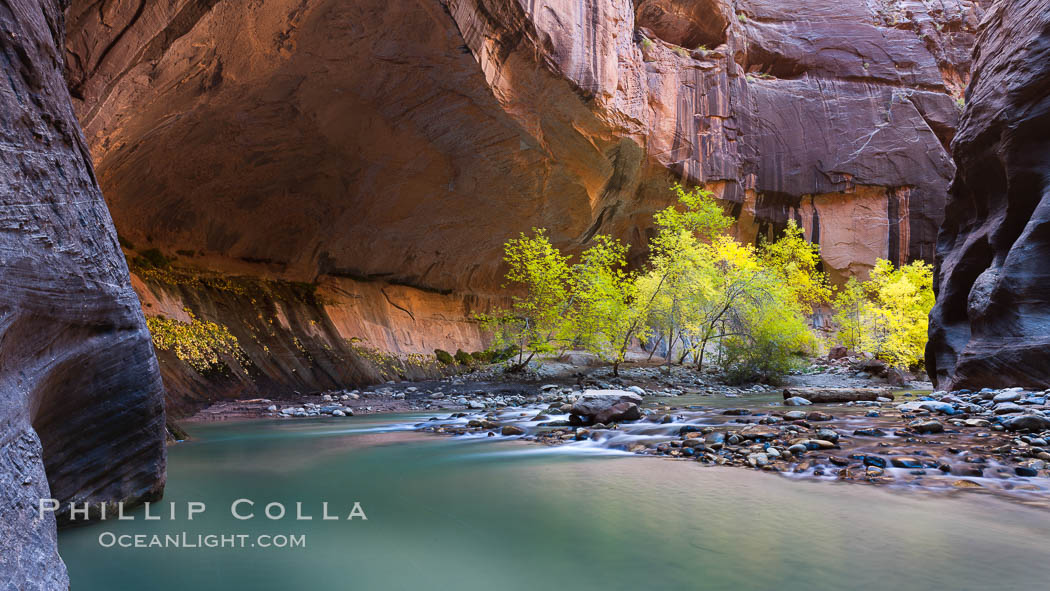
(603, 406)
(1028, 422)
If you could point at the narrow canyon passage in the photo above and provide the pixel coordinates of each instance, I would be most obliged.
(238, 207)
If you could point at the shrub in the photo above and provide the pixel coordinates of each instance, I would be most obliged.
(444, 356)
(199, 343)
(463, 358)
(152, 259)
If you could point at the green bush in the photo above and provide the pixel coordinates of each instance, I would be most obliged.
(463, 358)
(444, 356)
(152, 259)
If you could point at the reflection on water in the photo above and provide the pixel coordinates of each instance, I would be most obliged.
(470, 514)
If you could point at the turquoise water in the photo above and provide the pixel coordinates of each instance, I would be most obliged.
(471, 514)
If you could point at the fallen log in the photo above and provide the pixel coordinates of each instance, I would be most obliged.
(828, 395)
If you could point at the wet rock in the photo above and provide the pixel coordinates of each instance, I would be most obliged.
(827, 435)
(797, 401)
(1006, 408)
(510, 430)
(869, 460)
(818, 416)
(759, 432)
(603, 406)
(1026, 423)
(795, 415)
(757, 460)
(921, 426)
(906, 462)
(715, 440)
(1008, 396)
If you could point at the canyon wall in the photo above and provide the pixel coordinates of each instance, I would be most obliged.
(991, 324)
(298, 337)
(401, 145)
(81, 401)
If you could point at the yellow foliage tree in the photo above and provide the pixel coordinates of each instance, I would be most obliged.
(888, 315)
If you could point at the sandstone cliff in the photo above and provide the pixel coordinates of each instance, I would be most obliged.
(80, 394)
(990, 324)
(401, 145)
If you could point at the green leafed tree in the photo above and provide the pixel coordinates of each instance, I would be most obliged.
(536, 321)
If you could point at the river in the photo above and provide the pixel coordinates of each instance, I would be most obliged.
(473, 513)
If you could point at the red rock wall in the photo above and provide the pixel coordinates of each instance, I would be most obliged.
(404, 144)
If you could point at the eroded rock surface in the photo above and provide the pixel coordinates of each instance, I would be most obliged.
(325, 137)
(404, 144)
(80, 394)
(991, 324)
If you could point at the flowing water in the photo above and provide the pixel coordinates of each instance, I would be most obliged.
(473, 513)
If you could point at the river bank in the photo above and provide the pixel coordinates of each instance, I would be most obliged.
(992, 441)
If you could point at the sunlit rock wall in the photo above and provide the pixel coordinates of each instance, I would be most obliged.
(405, 143)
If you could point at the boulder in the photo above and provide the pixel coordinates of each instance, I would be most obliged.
(896, 378)
(875, 367)
(797, 401)
(920, 426)
(838, 352)
(603, 406)
(1030, 422)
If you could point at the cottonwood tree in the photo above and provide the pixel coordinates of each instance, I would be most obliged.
(888, 315)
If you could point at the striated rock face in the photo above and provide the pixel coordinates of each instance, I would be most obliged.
(407, 143)
(304, 337)
(80, 395)
(404, 144)
(991, 324)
